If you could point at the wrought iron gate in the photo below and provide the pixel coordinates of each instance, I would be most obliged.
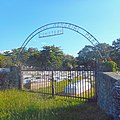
(68, 83)
(78, 83)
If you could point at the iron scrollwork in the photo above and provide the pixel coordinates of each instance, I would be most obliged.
(58, 30)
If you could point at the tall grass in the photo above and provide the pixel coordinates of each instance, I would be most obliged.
(19, 105)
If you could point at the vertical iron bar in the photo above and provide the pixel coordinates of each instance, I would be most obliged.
(44, 83)
(83, 71)
(65, 74)
(89, 83)
(53, 87)
(95, 79)
(59, 76)
(85, 82)
(80, 75)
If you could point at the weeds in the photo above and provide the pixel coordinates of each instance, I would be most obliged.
(19, 105)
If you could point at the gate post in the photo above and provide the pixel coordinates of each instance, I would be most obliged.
(20, 81)
(53, 86)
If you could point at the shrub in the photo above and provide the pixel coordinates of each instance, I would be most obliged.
(108, 66)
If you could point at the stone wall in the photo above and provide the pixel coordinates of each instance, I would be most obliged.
(9, 79)
(106, 82)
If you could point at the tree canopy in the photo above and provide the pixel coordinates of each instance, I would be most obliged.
(2, 59)
(52, 57)
(115, 53)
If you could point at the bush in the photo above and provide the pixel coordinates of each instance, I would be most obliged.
(108, 66)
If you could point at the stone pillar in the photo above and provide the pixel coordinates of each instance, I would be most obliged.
(116, 100)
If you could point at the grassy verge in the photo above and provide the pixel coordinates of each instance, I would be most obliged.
(19, 105)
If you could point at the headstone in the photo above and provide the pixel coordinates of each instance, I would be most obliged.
(77, 88)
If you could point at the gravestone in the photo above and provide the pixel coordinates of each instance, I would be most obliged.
(77, 87)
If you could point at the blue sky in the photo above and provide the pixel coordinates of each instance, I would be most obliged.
(18, 18)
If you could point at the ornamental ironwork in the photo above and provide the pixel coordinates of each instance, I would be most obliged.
(45, 31)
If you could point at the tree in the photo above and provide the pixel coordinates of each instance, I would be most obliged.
(51, 57)
(8, 61)
(90, 54)
(15, 56)
(105, 50)
(2, 58)
(21, 58)
(69, 62)
(115, 53)
(86, 55)
(34, 60)
(116, 44)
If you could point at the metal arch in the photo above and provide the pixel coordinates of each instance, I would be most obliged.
(66, 25)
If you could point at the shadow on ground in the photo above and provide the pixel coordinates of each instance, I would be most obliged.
(85, 111)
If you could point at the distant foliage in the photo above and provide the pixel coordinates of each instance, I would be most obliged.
(54, 58)
(2, 58)
(90, 54)
(115, 53)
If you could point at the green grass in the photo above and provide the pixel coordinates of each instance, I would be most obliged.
(19, 105)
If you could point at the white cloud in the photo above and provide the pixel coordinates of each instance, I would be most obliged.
(2, 51)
